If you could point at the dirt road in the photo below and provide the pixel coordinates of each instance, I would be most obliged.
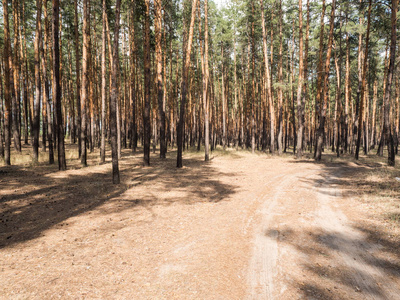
(239, 227)
(307, 247)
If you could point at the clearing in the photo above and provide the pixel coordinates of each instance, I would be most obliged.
(242, 226)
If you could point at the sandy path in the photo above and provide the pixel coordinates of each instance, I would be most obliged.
(305, 246)
(263, 266)
(242, 226)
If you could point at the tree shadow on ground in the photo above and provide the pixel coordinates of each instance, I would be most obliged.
(33, 200)
(330, 268)
(357, 177)
(358, 254)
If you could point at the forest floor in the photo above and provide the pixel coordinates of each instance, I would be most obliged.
(242, 226)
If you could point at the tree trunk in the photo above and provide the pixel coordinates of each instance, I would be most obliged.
(206, 102)
(325, 87)
(78, 78)
(267, 85)
(46, 92)
(366, 120)
(185, 71)
(147, 83)
(280, 79)
(16, 78)
(338, 104)
(363, 82)
(387, 132)
(114, 97)
(103, 88)
(85, 81)
(305, 83)
(293, 113)
(118, 117)
(253, 87)
(7, 86)
(36, 105)
(57, 87)
(132, 91)
(356, 124)
(347, 93)
(319, 82)
(373, 118)
(1, 115)
(300, 103)
(24, 64)
(160, 91)
(223, 100)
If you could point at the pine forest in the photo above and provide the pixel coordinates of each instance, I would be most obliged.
(269, 125)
